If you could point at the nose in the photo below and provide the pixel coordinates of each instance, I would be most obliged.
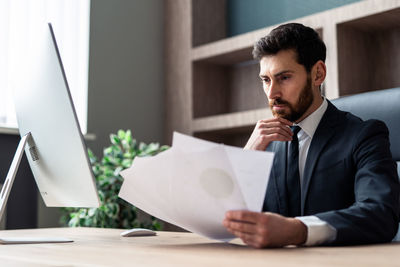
(273, 90)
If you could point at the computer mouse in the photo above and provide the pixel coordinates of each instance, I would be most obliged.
(138, 232)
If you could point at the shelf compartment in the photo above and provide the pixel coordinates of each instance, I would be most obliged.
(231, 122)
(228, 51)
(220, 89)
(231, 129)
(233, 56)
(368, 53)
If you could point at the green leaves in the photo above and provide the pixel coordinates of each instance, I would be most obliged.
(113, 212)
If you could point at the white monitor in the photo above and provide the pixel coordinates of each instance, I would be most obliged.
(48, 124)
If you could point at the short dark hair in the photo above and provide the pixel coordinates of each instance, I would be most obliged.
(304, 40)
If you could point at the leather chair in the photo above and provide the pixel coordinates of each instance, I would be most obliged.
(383, 105)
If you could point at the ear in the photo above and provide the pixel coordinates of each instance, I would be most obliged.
(318, 73)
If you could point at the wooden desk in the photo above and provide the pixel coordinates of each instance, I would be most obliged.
(104, 247)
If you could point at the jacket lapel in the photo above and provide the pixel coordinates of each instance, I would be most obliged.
(320, 139)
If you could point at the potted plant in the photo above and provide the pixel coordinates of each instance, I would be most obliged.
(114, 212)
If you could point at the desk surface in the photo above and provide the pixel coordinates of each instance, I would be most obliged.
(104, 247)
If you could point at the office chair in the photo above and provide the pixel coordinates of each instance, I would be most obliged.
(383, 105)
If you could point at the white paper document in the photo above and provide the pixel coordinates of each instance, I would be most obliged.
(195, 182)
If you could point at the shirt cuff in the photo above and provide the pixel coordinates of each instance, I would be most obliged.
(318, 231)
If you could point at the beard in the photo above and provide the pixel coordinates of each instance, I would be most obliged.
(297, 110)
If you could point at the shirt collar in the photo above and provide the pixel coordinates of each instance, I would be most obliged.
(310, 123)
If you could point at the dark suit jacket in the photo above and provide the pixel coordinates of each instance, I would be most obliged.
(350, 179)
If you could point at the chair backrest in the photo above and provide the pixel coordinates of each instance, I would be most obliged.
(383, 105)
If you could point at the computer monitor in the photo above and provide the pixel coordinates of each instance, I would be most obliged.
(48, 124)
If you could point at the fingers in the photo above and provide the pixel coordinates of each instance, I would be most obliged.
(242, 216)
(251, 234)
(254, 241)
(239, 227)
(278, 119)
(276, 124)
(249, 239)
(278, 130)
(245, 231)
(266, 131)
(265, 229)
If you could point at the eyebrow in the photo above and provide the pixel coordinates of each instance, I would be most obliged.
(277, 74)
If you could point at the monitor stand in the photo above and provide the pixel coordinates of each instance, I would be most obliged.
(5, 191)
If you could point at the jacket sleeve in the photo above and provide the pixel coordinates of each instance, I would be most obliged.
(374, 216)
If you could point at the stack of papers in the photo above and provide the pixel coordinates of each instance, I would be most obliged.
(195, 182)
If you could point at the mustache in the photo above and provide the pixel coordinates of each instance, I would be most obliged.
(278, 101)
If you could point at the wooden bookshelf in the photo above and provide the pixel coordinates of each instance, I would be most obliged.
(373, 42)
(212, 85)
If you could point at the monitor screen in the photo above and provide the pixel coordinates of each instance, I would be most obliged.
(56, 153)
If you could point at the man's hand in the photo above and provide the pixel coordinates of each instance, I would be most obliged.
(266, 131)
(261, 230)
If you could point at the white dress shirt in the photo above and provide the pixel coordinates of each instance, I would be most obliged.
(318, 230)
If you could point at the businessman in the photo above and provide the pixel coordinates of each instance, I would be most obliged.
(333, 179)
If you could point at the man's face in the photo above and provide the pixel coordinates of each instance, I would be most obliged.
(287, 85)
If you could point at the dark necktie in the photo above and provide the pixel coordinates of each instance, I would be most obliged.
(293, 176)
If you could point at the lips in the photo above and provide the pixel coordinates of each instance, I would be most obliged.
(278, 106)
